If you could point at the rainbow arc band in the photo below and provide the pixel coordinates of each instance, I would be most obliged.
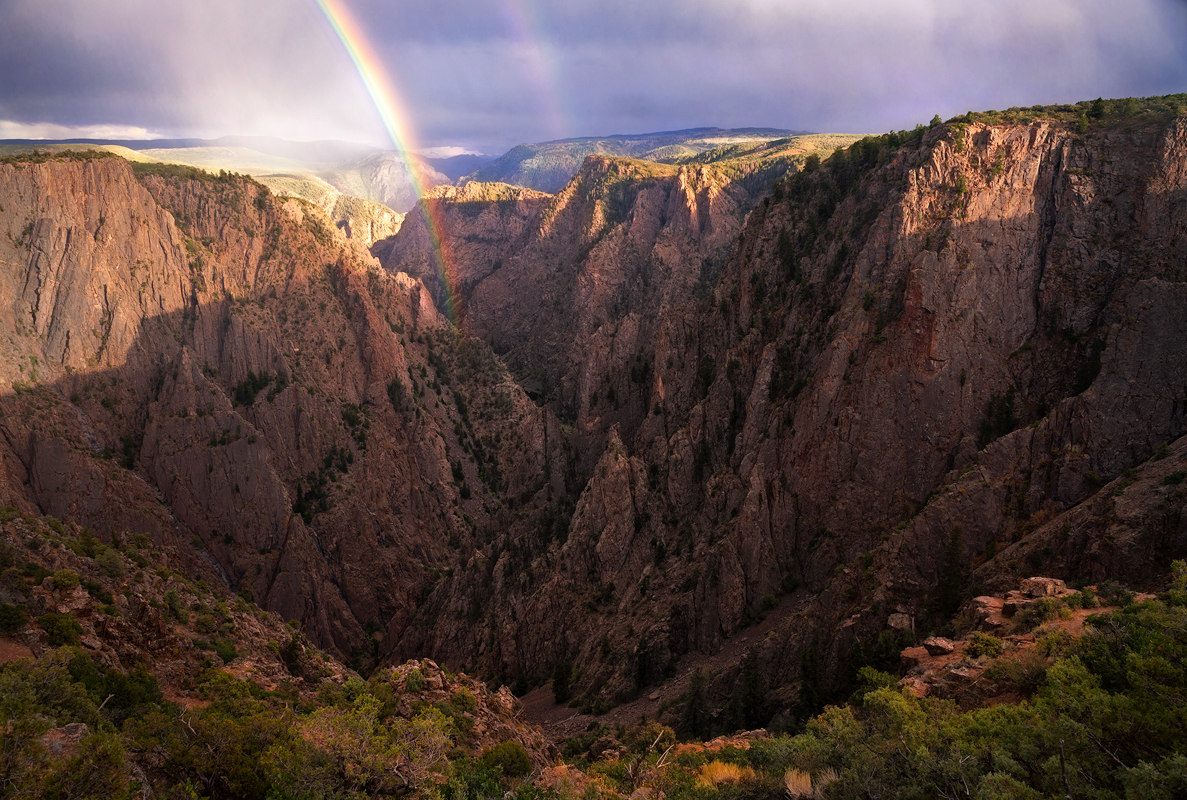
(395, 120)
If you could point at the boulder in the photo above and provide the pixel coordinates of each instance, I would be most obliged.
(938, 645)
(1043, 587)
(1014, 602)
(917, 686)
(986, 612)
(912, 657)
(61, 742)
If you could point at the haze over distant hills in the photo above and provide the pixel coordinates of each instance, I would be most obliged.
(548, 166)
(382, 175)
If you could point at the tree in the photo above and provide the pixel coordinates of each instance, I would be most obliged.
(509, 757)
(811, 698)
(696, 717)
(376, 758)
(950, 590)
(748, 704)
(561, 675)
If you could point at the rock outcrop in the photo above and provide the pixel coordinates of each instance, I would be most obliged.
(570, 288)
(195, 360)
(935, 341)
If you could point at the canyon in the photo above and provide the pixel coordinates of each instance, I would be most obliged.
(630, 422)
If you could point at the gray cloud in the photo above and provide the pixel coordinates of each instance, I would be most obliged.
(493, 73)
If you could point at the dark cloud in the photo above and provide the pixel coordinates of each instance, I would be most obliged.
(490, 74)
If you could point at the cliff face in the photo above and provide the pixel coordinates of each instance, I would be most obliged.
(941, 341)
(476, 227)
(569, 288)
(961, 331)
(194, 360)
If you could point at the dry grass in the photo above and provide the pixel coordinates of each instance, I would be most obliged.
(799, 784)
(716, 773)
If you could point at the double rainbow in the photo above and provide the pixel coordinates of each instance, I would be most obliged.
(391, 111)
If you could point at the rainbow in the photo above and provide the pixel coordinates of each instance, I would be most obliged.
(542, 67)
(395, 120)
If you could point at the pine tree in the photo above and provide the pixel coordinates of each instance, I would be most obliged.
(561, 675)
(748, 703)
(695, 718)
(950, 590)
(811, 699)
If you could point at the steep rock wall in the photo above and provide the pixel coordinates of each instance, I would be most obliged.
(194, 359)
(970, 327)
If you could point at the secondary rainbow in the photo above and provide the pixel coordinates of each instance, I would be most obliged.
(526, 28)
(395, 120)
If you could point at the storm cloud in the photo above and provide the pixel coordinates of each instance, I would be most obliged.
(487, 75)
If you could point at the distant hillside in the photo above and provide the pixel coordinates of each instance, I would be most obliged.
(548, 166)
(456, 167)
(358, 170)
(364, 220)
(384, 178)
(232, 159)
(326, 151)
(12, 147)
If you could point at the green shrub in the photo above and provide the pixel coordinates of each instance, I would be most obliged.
(1176, 593)
(463, 700)
(97, 591)
(1055, 643)
(35, 572)
(1114, 594)
(1085, 598)
(226, 650)
(60, 629)
(111, 561)
(1043, 610)
(12, 618)
(983, 644)
(415, 680)
(173, 603)
(66, 579)
(1025, 673)
(510, 757)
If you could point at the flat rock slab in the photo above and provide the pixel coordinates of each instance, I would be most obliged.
(913, 657)
(1043, 587)
(938, 645)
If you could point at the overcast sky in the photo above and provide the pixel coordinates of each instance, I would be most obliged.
(487, 74)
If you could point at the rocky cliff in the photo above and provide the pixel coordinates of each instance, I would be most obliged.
(192, 359)
(934, 341)
(939, 350)
(568, 288)
(388, 178)
(363, 220)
